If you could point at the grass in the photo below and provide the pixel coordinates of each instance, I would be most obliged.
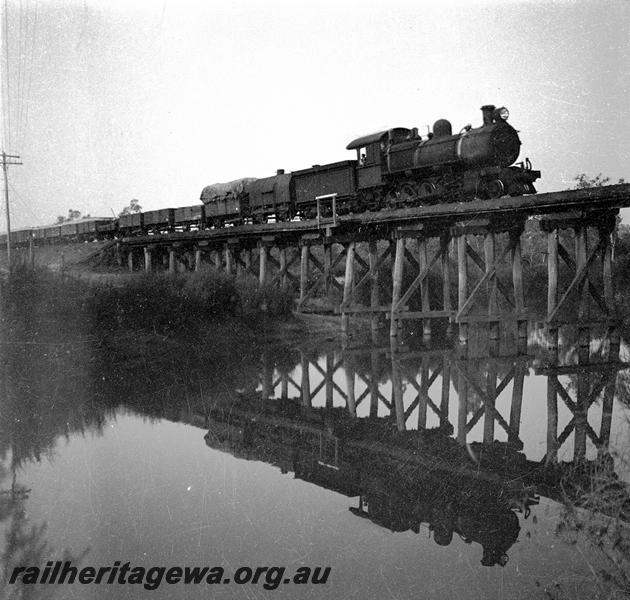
(596, 517)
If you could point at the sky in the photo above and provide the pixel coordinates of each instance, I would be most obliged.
(109, 101)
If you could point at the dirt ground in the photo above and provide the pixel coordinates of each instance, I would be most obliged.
(54, 256)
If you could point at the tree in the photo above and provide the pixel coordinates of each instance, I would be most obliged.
(134, 207)
(583, 181)
(72, 216)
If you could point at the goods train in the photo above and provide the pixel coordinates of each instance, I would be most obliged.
(393, 169)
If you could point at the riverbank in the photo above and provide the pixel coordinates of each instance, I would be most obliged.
(44, 304)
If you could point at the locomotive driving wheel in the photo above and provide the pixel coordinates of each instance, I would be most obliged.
(426, 190)
(407, 194)
(496, 188)
(491, 189)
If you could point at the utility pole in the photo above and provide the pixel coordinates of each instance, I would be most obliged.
(8, 159)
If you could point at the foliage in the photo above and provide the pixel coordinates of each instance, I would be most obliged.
(73, 215)
(597, 514)
(156, 302)
(583, 181)
(134, 207)
(268, 299)
(28, 293)
(169, 302)
(163, 302)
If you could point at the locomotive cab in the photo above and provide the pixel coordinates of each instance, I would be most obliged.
(372, 153)
(369, 166)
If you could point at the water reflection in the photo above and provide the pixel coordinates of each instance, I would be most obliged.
(45, 395)
(415, 435)
(461, 442)
(400, 479)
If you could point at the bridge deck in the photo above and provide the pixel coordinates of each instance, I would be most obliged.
(566, 202)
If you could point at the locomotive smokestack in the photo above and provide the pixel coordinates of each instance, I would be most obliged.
(487, 111)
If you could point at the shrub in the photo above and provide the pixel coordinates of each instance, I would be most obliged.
(35, 293)
(164, 302)
(270, 300)
(158, 302)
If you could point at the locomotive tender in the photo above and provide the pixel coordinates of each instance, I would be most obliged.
(393, 169)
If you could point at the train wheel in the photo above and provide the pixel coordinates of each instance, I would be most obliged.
(496, 188)
(345, 208)
(407, 194)
(375, 201)
(491, 189)
(392, 201)
(426, 190)
(366, 200)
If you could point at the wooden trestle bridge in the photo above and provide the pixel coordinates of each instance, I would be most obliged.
(460, 262)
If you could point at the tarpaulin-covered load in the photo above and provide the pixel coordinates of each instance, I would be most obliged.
(231, 189)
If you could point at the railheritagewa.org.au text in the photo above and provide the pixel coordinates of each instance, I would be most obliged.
(150, 578)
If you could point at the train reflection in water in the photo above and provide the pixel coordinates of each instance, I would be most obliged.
(431, 476)
(402, 480)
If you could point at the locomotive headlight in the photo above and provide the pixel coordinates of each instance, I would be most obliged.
(502, 113)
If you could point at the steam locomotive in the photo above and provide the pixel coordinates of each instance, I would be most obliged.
(393, 169)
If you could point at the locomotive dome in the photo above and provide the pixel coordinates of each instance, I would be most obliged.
(442, 128)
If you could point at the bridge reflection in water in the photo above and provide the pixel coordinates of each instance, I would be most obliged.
(432, 438)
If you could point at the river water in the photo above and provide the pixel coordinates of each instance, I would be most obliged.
(435, 471)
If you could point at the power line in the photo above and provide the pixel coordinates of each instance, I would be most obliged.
(25, 207)
(23, 73)
(30, 80)
(17, 74)
(20, 56)
(7, 137)
(13, 130)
